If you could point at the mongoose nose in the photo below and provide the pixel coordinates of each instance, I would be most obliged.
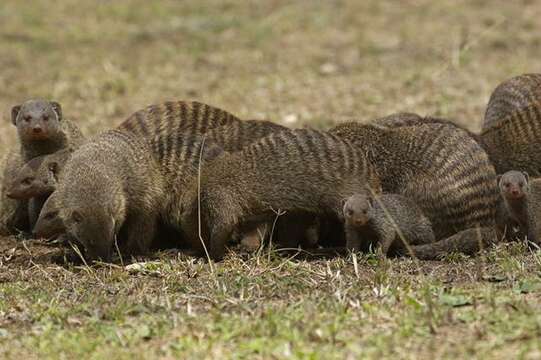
(37, 130)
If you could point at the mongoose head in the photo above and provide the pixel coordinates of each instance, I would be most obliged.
(37, 120)
(39, 176)
(92, 207)
(513, 184)
(49, 224)
(357, 209)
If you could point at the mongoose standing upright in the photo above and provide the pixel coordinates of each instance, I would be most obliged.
(111, 186)
(388, 221)
(425, 163)
(511, 131)
(519, 205)
(296, 171)
(41, 130)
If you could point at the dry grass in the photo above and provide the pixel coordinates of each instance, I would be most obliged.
(298, 63)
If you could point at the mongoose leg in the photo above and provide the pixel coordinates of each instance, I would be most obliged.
(141, 231)
(353, 238)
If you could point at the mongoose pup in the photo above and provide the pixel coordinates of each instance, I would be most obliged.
(296, 171)
(41, 130)
(111, 186)
(511, 131)
(388, 221)
(518, 206)
(426, 163)
(37, 179)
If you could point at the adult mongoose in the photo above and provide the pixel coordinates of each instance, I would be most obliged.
(439, 166)
(511, 132)
(111, 188)
(41, 130)
(292, 171)
(176, 117)
(392, 222)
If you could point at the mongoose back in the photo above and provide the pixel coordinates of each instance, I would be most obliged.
(387, 221)
(111, 186)
(511, 131)
(41, 130)
(439, 166)
(296, 171)
(176, 117)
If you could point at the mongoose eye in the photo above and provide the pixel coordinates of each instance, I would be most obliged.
(27, 118)
(349, 212)
(28, 180)
(45, 117)
(521, 184)
(507, 185)
(365, 211)
(52, 167)
(76, 216)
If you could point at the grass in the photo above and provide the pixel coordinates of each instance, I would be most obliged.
(297, 63)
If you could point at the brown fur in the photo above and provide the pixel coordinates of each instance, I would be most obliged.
(387, 220)
(297, 171)
(511, 131)
(41, 130)
(176, 117)
(519, 205)
(111, 187)
(426, 163)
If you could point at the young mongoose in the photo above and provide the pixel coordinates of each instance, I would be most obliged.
(511, 131)
(41, 130)
(36, 180)
(518, 205)
(111, 187)
(427, 163)
(296, 171)
(388, 221)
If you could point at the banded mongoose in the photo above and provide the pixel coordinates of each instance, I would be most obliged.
(511, 132)
(111, 186)
(386, 221)
(295, 171)
(519, 205)
(176, 117)
(49, 224)
(439, 166)
(37, 179)
(41, 130)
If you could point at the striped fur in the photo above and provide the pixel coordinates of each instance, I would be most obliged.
(438, 165)
(176, 117)
(511, 131)
(297, 171)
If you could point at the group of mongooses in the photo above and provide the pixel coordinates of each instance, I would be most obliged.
(402, 184)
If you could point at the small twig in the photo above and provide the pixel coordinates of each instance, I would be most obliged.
(199, 206)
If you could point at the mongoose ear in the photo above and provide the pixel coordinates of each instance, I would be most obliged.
(57, 109)
(526, 175)
(14, 112)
